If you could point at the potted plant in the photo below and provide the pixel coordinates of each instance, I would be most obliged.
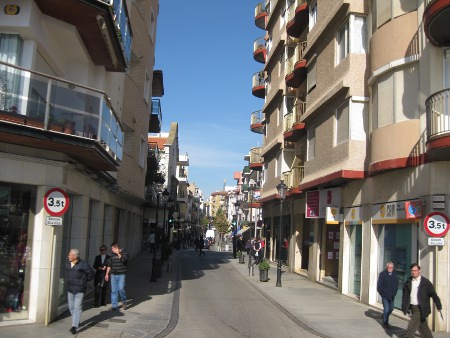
(264, 267)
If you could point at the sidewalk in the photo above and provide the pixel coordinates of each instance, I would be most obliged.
(321, 310)
(149, 312)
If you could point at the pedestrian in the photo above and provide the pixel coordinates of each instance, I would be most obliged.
(116, 271)
(256, 249)
(284, 250)
(196, 243)
(387, 287)
(152, 243)
(417, 292)
(101, 285)
(78, 273)
(201, 245)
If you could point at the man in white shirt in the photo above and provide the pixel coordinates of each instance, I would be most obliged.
(417, 292)
(152, 243)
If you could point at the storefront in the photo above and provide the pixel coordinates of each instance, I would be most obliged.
(353, 232)
(17, 209)
(397, 237)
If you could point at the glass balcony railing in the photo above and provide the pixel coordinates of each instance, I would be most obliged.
(294, 116)
(255, 155)
(56, 105)
(123, 24)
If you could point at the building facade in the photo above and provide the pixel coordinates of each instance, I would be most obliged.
(364, 145)
(73, 144)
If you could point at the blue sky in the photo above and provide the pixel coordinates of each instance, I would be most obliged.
(205, 50)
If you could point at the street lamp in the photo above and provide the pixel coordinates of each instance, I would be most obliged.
(164, 198)
(282, 193)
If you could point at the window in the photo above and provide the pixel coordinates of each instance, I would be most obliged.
(351, 120)
(386, 10)
(312, 14)
(152, 28)
(311, 143)
(147, 88)
(342, 124)
(312, 76)
(351, 38)
(395, 96)
(143, 153)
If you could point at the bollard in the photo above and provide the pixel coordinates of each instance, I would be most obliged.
(153, 277)
(169, 266)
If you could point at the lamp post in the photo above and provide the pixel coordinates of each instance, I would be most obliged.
(165, 197)
(282, 193)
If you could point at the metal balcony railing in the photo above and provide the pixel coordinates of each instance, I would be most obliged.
(297, 56)
(438, 113)
(260, 8)
(50, 103)
(295, 115)
(259, 44)
(294, 177)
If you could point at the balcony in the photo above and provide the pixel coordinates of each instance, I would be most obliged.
(298, 18)
(257, 122)
(438, 125)
(104, 28)
(259, 50)
(436, 18)
(246, 171)
(155, 117)
(152, 156)
(293, 128)
(49, 113)
(258, 85)
(261, 15)
(296, 66)
(293, 179)
(255, 159)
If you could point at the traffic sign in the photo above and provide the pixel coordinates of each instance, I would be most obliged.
(436, 224)
(56, 202)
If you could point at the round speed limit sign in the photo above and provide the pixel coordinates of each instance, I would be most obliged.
(56, 202)
(436, 224)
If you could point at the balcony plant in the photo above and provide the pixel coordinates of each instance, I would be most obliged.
(264, 267)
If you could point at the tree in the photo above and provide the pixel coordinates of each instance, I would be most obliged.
(204, 222)
(221, 221)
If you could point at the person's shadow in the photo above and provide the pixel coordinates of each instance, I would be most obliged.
(392, 330)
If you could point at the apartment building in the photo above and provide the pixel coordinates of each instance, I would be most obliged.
(364, 145)
(75, 104)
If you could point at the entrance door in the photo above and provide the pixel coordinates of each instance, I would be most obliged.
(307, 239)
(332, 250)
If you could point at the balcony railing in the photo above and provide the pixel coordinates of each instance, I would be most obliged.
(298, 55)
(294, 177)
(261, 14)
(436, 22)
(438, 114)
(103, 26)
(259, 50)
(155, 117)
(297, 18)
(294, 116)
(53, 104)
(255, 155)
(256, 123)
(258, 84)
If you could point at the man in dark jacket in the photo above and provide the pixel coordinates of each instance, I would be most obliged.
(117, 271)
(417, 292)
(387, 287)
(101, 285)
(78, 273)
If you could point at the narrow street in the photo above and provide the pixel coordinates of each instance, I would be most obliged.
(216, 301)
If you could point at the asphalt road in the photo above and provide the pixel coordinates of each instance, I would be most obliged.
(216, 301)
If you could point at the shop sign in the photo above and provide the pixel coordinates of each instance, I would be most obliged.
(436, 224)
(353, 215)
(312, 204)
(329, 198)
(333, 216)
(413, 209)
